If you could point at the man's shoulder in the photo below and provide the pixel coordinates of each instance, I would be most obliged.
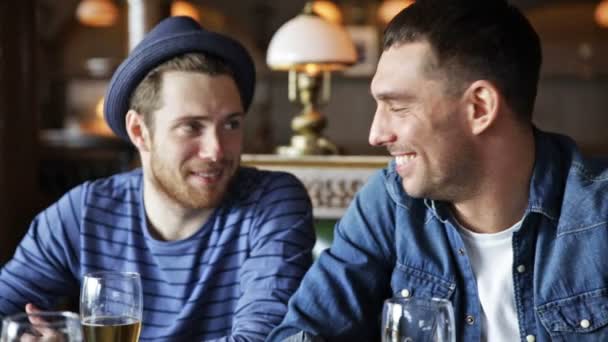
(585, 191)
(122, 185)
(587, 185)
(255, 183)
(119, 189)
(590, 171)
(119, 183)
(584, 176)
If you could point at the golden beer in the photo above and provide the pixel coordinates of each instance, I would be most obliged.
(111, 329)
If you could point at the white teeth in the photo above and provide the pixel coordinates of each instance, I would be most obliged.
(400, 160)
(208, 174)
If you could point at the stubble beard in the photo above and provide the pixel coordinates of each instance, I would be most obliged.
(172, 182)
(449, 182)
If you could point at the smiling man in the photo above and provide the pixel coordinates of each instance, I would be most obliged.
(220, 248)
(478, 207)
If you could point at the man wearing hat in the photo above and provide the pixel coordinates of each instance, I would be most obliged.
(220, 248)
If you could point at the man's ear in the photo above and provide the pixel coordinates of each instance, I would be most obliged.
(483, 102)
(138, 131)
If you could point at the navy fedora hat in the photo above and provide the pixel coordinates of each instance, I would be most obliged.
(172, 37)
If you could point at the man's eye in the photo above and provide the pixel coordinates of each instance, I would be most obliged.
(232, 124)
(401, 111)
(191, 127)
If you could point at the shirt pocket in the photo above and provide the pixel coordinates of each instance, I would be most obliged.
(407, 281)
(580, 318)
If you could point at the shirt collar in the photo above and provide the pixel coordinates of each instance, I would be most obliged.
(547, 182)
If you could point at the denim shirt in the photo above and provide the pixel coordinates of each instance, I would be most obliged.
(388, 242)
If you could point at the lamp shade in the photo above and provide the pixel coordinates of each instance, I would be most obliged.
(390, 8)
(185, 8)
(601, 13)
(97, 13)
(309, 39)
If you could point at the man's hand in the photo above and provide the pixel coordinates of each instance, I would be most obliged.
(42, 333)
(31, 308)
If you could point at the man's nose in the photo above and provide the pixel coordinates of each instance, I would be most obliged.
(381, 132)
(211, 146)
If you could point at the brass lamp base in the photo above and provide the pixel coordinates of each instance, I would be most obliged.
(307, 138)
(310, 90)
(302, 145)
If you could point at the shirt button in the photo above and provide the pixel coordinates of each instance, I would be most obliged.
(521, 268)
(585, 324)
(530, 338)
(405, 293)
(461, 251)
(470, 320)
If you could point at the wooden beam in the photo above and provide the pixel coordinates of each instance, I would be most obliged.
(18, 122)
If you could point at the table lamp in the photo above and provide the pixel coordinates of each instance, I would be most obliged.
(310, 48)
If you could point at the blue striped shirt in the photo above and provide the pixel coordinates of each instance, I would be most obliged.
(229, 281)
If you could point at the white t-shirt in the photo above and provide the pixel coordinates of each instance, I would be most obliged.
(491, 256)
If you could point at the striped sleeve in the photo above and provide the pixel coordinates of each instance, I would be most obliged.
(43, 266)
(281, 241)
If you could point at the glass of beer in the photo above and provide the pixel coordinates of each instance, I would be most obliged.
(417, 319)
(111, 307)
(60, 326)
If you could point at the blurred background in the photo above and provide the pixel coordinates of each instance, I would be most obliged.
(56, 58)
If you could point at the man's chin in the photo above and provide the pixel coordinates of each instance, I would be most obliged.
(204, 196)
(203, 199)
(412, 190)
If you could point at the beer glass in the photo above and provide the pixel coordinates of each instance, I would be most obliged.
(111, 307)
(417, 319)
(43, 326)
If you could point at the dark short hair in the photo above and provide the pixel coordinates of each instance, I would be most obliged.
(146, 97)
(473, 40)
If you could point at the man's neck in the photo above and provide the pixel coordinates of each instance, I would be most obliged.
(489, 214)
(168, 220)
(501, 195)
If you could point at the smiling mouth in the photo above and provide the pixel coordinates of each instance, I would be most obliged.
(404, 159)
(208, 177)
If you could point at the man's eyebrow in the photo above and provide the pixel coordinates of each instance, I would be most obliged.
(394, 95)
(235, 115)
